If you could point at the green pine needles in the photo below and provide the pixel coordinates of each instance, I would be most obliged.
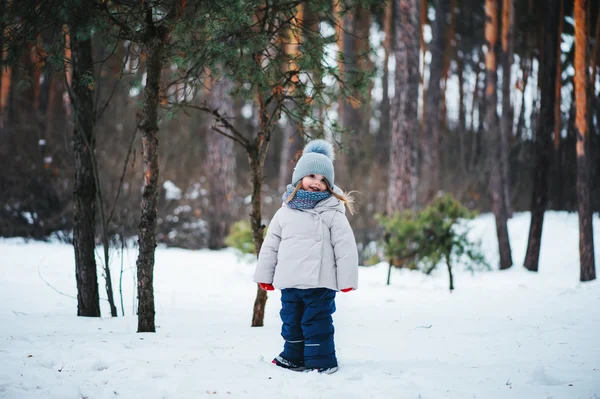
(438, 234)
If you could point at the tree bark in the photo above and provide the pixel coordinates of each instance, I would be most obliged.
(423, 47)
(290, 146)
(506, 122)
(292, 140)
(5, 73)
(220, 162)
(431, 152)
(355, 111)
(402, 166)
(149, 129)
(557, 85)
(542, 140)
(586, 238)
(257, 176)
(493, 135)
(557, 164)
(449, 47)
(594, 60)
(462, 109)
(382, 143)
(84, 194)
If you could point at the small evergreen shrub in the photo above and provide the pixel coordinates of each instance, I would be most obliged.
(240, 238)
(435, 235)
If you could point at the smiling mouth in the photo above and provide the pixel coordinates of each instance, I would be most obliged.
(314, 189)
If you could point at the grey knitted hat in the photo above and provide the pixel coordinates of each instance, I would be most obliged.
(317, 158)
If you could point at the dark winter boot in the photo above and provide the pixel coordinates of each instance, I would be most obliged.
(286, 364)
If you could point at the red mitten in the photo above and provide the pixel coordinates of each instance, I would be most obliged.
(266, 287)
(346, 289)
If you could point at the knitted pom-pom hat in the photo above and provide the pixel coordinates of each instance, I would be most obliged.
(317, 158)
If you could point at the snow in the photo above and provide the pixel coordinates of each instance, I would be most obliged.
(509, 334)
(172, 191)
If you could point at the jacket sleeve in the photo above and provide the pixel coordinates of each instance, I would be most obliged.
(267, 258)
(345, 252)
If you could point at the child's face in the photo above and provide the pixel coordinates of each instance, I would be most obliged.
(314, 183)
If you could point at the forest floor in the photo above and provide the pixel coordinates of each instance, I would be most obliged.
(500, 334)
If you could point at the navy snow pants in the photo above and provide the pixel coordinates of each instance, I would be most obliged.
(308, 327)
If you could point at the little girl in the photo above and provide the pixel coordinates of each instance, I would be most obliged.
(309, 253)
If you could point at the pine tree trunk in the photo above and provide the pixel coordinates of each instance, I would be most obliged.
(5, 73)
(431, 152)
(292, 135)
(290, 146)
(557, 167)
(586, 238)
(526, 70)
(594, 59)
(147, 234)
(256, 173)
(355, 111)
(402, 168)
(542, 139)
(507, 112)
(84, 193)
(462, 109)
(557, 85)
(382, 143)
(449, 45)
(493, 135)
(220, 164)
(423, 47)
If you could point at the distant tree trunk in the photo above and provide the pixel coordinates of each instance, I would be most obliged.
(402, 168)
(594, 60)
(5, 72)
(423, 21)
(84, 193)
(382, 143)
(526, 70)
(431, 150)
(542, 140)
(220, 164)
(506, 122)
(355, 111)
(291, 144)
(462, 109)
(492, 135)
(293, 135)
(557, 113)
(586, 237)
(557, 85)
(147, 234)
(449, 46)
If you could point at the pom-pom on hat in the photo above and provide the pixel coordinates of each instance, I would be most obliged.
(317, 158)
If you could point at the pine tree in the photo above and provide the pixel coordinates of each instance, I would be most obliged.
(493, 134)
(542, 137)
(402, 168)
(433, 109)
(586, 237)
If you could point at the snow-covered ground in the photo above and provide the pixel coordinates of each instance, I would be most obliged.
(511, 334)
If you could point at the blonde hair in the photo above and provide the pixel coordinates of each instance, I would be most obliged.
(346, 198)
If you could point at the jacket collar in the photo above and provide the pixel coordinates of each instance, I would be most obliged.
(331, 203)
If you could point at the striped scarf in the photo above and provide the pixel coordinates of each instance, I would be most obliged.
(304, 199)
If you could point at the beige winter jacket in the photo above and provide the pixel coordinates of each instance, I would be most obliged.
(309, 248)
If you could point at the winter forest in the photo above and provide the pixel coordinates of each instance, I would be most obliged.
(468, 132)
